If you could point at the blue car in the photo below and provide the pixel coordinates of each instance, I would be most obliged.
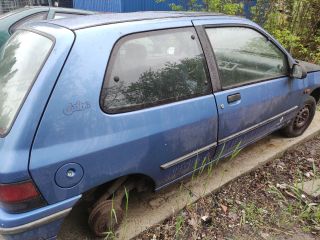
(94, 107)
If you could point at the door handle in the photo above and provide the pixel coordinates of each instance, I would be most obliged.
(234, 98)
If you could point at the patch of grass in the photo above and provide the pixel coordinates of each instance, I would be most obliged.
(315, 171)
(290, 207)
(236, 151)
(195, 167)
(127, 201)
(295, 207)
(253, 215)
(217, 160)
(203, 164)
(278, 194)
(110, 235)
(179, 226)
(285, 218)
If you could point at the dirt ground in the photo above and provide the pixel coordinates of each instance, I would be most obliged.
(264, 204)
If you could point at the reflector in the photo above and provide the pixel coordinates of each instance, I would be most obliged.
(12, 193)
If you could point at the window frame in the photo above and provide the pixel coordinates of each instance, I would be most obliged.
(264, 34)
(140, 107)
(17, 25)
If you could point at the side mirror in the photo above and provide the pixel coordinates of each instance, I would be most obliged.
(298, 71)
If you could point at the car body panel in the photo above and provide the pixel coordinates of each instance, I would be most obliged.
(8, 220)
(43, 222)
(262, 102)
(114, 145)
(309, 67)
(54, 10)
(312, 80)
(313, 70)
(135, 17)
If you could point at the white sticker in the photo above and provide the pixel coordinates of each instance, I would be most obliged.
(171, 50)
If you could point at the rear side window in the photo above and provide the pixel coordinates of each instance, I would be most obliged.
(154, 68)
(20, 61)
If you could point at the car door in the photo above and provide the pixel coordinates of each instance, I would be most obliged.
(257, 95)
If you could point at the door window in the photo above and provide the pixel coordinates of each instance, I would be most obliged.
(154, 68)
(244, 55)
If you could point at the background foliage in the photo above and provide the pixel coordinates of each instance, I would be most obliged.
(294, 23)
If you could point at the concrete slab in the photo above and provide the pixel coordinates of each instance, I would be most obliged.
(311, 188)
(266, 236)
(149, 209)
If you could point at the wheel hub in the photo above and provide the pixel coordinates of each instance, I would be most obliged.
(106, 216)
(302, 117)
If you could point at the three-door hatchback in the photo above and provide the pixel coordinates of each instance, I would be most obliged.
(94, 107)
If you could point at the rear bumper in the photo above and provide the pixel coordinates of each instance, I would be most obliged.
(42, 223)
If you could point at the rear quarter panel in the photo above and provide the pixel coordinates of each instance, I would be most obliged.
(15, 147)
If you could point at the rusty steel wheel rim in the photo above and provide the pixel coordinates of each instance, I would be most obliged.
(302, 117)
(102, 219)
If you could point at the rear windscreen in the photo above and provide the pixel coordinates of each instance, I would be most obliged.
(21, 59)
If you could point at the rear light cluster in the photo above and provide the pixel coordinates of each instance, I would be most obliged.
(20, 197)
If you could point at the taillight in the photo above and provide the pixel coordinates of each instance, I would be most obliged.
(20, 197)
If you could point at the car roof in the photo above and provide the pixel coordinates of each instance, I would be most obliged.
(111, 18)
(19, 10)
(45, 8)
(72, 10)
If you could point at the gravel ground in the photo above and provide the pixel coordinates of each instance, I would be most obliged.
(265, 204)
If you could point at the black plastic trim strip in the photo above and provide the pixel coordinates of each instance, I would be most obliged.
(210, 58)
(187, 156)
(224, 140)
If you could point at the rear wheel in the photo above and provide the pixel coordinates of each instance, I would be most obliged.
(105, 217)
(106, 213)
(302, 120)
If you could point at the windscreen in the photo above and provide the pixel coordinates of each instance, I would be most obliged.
(21, 59)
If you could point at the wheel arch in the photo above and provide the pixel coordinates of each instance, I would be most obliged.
(316, 94)
(137, 178)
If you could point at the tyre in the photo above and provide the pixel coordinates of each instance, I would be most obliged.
(302, 120)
